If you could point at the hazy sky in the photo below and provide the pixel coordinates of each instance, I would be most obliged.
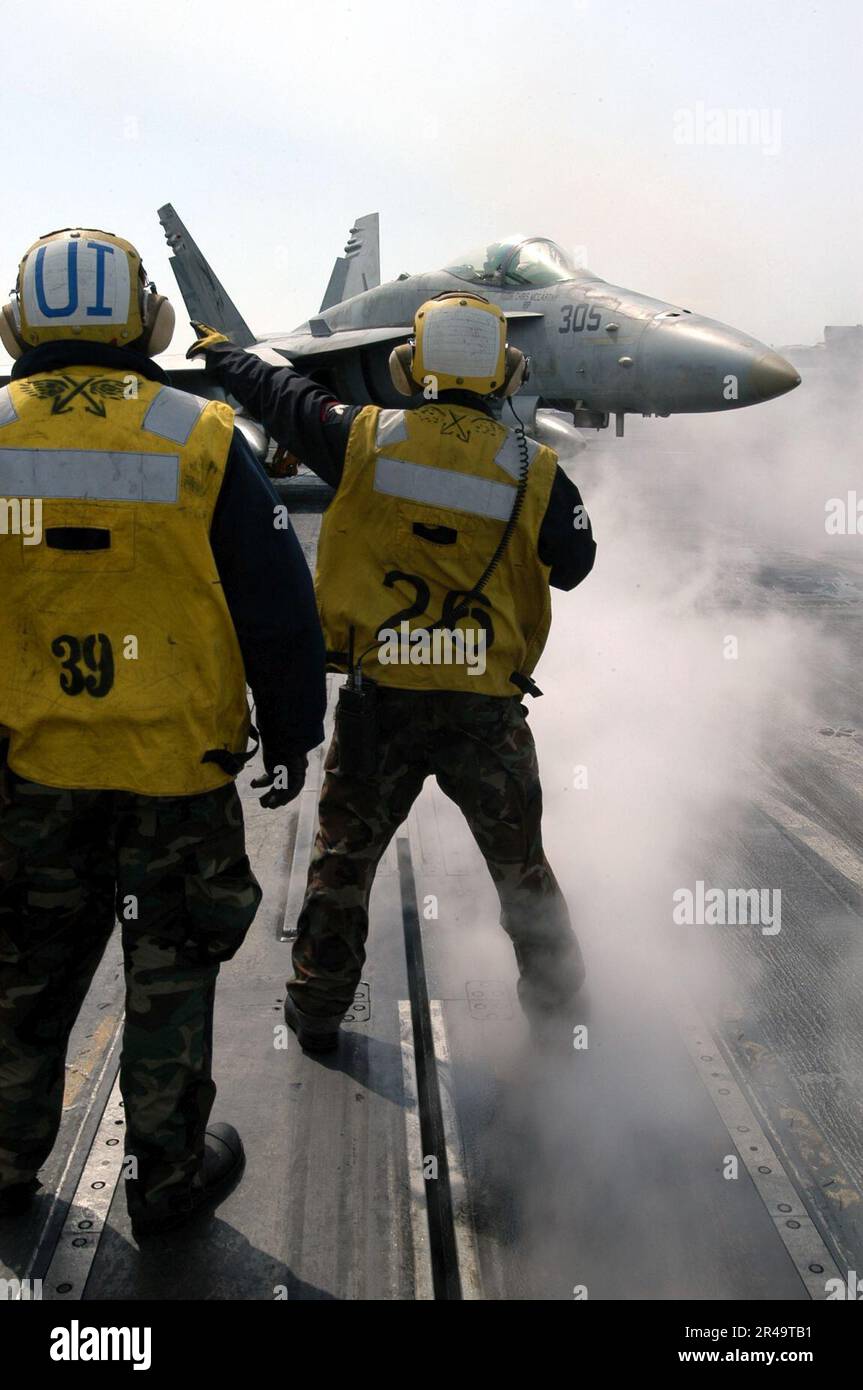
(271, 126)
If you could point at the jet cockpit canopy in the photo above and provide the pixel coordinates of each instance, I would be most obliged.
(516, 262)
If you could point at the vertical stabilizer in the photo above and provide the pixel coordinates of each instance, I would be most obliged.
(203, 295)
(359, 268)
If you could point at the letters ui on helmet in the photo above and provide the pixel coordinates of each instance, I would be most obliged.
(78, 282)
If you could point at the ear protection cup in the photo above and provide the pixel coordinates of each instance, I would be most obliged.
(9, 334)
(516, 372)
(401, 361)
(159, 320)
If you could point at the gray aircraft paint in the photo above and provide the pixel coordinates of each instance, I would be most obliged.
(596, 349)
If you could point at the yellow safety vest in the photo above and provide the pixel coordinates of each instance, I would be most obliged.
(422, 503)
(119, 664)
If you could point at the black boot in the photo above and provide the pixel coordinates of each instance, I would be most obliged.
(313, 1034)
(550, 980)
(224, 1160)
(550, 991)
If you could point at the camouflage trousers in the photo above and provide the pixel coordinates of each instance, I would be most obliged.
(482, 753)
(175, 872)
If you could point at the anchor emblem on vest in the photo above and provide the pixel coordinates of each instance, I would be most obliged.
(456, 427)
(63, 391)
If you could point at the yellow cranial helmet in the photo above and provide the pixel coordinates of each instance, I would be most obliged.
(80, 284)
(459, 345)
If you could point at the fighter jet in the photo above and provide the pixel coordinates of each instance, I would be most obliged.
(595, 349)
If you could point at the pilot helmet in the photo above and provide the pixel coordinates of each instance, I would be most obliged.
(80, 284)
(459, 344)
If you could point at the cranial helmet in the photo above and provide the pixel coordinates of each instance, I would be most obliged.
(84, 285)
(459, 344)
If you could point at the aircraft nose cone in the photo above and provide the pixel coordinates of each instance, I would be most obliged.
(696, 364)
(772, 376)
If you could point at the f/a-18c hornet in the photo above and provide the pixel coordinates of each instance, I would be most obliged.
(595, 349)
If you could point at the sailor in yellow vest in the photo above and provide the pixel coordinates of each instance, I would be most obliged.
(144, 580)
(434, 565)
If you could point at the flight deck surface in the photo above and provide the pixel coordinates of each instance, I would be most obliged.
(682, 1143)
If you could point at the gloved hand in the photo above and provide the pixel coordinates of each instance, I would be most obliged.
(286, 781)
(207, 338)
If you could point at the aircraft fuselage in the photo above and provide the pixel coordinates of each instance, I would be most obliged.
(595, 348)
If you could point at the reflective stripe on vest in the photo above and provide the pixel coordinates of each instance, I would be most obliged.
(441, 487)
(174, 414)
(392, 428)
(90, 475)
(508, 456)
(8, 413)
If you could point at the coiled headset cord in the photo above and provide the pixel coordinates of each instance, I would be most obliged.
(518, 503)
